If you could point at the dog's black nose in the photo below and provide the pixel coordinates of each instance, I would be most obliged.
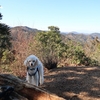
(31, 64)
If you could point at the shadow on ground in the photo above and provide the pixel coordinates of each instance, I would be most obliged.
(74, 83)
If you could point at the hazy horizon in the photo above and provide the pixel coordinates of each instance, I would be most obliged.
(81, 16)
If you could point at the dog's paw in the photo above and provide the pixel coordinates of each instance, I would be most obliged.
(26, 81)
(41, 81)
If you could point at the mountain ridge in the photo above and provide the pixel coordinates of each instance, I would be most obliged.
(80, 37)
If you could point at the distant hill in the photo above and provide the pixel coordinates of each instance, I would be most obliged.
(79, 37)
(96, 35)
(22, 30)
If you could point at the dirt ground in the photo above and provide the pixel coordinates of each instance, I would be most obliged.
(74, 83)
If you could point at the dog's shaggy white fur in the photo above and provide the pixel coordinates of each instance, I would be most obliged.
(35, 72)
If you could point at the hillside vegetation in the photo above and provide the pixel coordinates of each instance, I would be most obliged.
(54, 48)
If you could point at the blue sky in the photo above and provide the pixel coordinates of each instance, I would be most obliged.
(68, 15)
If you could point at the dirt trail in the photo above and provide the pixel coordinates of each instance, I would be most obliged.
(74, 83)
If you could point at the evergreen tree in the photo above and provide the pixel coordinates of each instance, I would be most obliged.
(49, 46)
(0, 16)
(5, 38)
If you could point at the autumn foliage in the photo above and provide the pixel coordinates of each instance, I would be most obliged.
(50, 47)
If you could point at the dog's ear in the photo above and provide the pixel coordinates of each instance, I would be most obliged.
(26, 63)
(36, 63)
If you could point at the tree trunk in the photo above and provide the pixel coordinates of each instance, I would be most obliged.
(26, 91)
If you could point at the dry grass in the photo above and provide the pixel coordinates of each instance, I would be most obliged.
(74, 83)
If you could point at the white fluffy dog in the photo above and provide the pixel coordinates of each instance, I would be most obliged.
(35, 72)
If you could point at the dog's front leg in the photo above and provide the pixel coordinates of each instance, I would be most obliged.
(28, 78)
(41, 75)
(41, 79)
(36, 79)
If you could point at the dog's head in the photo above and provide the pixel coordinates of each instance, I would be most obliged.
(31, 61)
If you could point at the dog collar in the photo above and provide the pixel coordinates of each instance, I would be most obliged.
(30, 69)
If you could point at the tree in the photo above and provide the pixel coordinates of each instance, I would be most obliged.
(5, 38)
(0, 16)
(49, 46)
(94, 47)
(75, 54)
